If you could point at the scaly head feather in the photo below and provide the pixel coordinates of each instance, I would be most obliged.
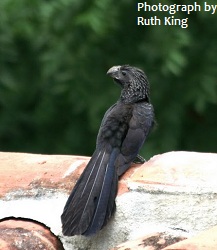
(134, 83)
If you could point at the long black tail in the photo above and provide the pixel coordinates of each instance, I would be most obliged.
(92, 201)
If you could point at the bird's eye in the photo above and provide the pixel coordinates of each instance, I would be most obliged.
(123, 73)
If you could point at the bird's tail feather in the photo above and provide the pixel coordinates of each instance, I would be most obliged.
(92, 201)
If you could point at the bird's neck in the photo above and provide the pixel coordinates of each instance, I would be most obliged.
(130, 95)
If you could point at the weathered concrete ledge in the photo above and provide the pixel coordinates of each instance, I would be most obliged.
(171, 197)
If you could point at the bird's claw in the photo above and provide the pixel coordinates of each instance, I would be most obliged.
(139, 160)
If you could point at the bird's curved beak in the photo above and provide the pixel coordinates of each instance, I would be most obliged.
(113, 72)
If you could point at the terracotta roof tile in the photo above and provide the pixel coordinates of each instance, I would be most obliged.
(172, 190)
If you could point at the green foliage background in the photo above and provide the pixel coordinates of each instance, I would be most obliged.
(54, 90)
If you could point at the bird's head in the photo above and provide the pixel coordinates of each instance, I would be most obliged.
(134, 83)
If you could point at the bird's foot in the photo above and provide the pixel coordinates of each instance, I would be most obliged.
(139, 160)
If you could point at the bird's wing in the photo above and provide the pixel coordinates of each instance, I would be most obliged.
(139, 127)
(105, 118)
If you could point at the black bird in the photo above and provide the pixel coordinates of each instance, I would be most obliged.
(123, 131)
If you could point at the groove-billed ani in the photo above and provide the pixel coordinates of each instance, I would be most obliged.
(123, 131)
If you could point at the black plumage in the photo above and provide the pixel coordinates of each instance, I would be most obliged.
(122, 133)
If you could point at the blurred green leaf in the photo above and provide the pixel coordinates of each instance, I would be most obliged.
(53, 85)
